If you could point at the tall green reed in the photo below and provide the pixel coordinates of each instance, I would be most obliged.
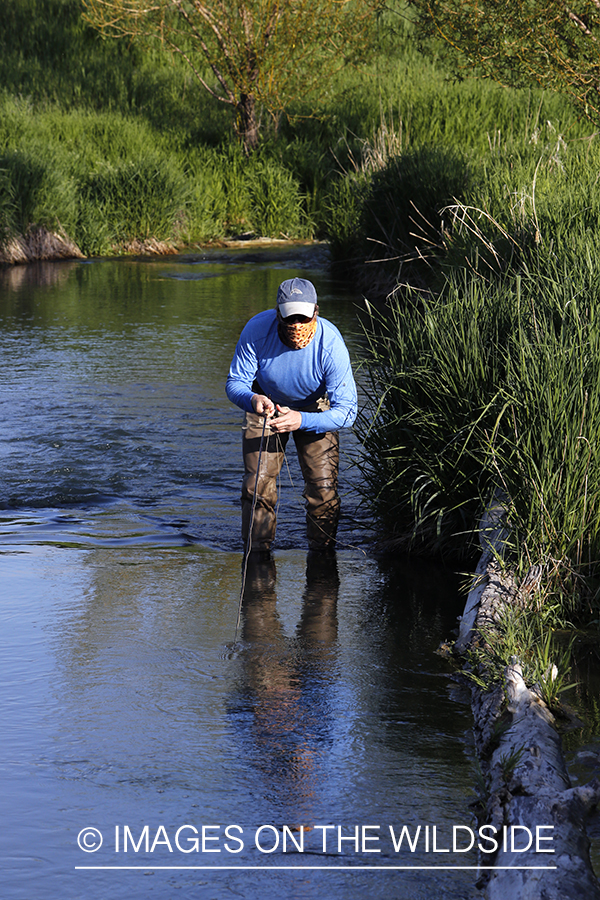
(38, 190)
(434, 377)
(137, 200)
(492, 384)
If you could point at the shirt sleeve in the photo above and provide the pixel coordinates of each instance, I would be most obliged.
(242, 373)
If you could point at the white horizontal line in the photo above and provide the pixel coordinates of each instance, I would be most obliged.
(311, 868)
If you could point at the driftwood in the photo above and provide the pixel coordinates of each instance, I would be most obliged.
(521, 757)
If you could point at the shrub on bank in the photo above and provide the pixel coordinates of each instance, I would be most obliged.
(276, 201)
(7, 206)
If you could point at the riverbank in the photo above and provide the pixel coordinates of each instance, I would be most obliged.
(491, 383)
(40, 245)
(145, 159)
(483, 383)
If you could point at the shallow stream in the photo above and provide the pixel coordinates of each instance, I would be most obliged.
(127, 709)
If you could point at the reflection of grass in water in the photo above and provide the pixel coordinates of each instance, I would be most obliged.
(43, 274)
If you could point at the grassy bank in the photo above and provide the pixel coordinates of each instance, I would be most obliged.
(113, 144)
(489, 382)
(107, 179)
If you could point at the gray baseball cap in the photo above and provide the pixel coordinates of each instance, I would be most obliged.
(296, 297)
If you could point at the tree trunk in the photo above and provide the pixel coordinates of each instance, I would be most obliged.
(247, 127)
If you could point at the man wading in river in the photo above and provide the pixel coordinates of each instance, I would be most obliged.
(292, 368)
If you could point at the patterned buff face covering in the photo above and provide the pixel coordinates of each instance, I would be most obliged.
(298, 335)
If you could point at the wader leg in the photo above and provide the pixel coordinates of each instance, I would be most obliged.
(319, 460)
(263, 530)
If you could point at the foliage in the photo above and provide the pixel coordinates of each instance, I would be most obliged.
(37, 190)
(206, 208)
(433, 375)
(509, 762)
(7, 206)
(492, 383)
(137, 200)
(395, 213)
(47, 52)
(548, 43)
(259, 53)
(110, 180)
(529, 636)
(121, 101)
(276, 201)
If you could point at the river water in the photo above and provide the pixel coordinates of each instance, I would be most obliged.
(127, 708)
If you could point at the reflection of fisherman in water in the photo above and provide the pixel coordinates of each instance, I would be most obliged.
(283, 711)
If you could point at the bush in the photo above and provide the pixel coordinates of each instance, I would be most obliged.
(205, 211)
(136, 200)
(402, 212)
(388, 211)
(7, 206)
(275, 201)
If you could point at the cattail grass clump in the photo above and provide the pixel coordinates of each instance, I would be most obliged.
(491, 386)
(276, 201)
(135, 201)
(434, 370)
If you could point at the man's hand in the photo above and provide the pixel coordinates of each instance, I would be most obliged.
(287, 420)
(263, 406)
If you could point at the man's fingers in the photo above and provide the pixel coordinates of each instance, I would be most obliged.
(287, 421)
(263, 406)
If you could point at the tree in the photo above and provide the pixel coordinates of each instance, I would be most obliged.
(259, 53)
(548, 43)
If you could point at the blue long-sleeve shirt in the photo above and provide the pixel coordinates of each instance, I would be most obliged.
(294, 378)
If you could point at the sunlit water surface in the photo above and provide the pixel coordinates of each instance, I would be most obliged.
(126, 702)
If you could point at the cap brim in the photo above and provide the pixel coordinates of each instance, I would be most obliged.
(295, 308)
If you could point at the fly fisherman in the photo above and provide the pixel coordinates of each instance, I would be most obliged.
(292, 368)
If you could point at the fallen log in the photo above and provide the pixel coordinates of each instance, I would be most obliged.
(520, 752)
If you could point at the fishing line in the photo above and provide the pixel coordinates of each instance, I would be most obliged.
(249, 542)
(280, 449)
